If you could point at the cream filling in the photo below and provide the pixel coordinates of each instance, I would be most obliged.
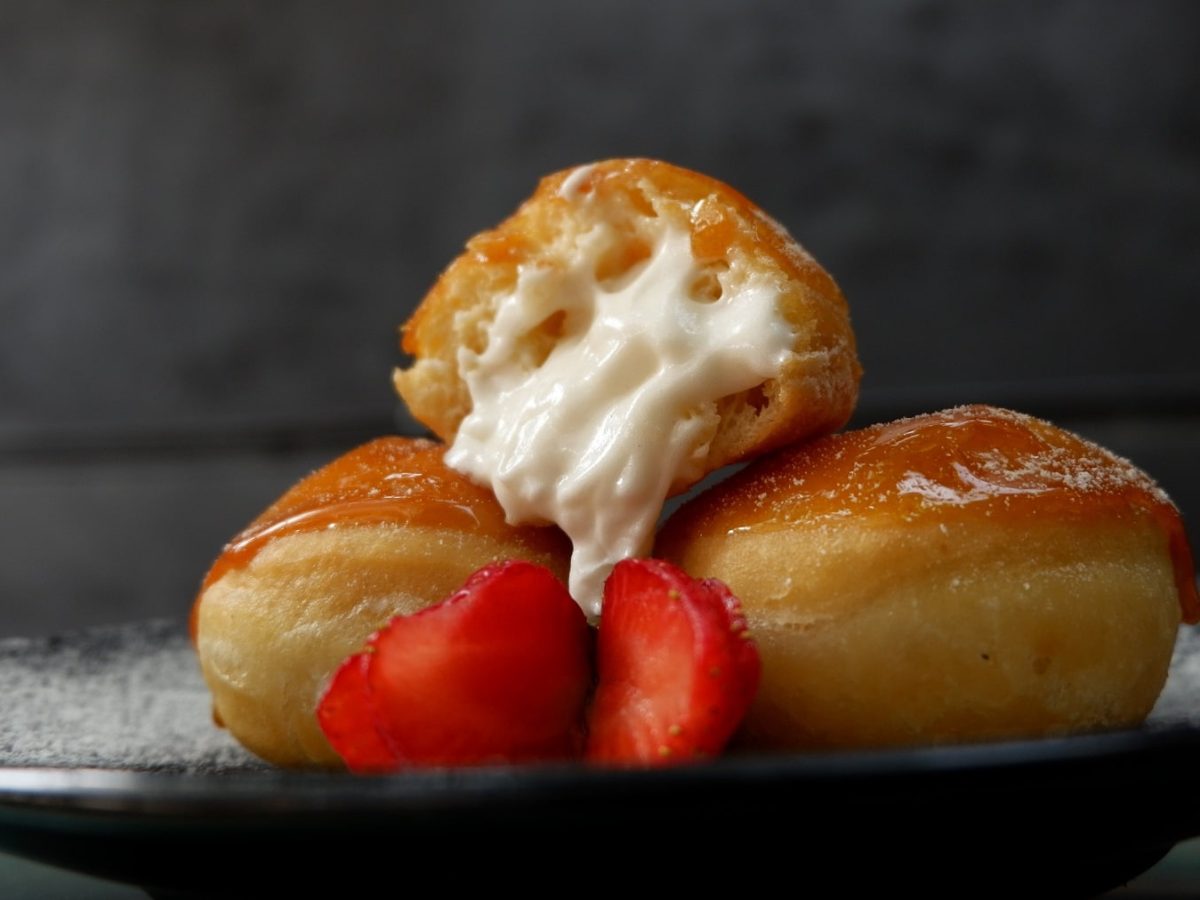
(624, 405)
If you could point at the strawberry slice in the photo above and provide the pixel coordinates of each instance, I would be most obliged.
(347, 716)
(497, 672)
(677, 670)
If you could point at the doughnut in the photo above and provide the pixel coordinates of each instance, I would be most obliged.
(384, 530)
(729, 237)
(632, 327)
(968, 575)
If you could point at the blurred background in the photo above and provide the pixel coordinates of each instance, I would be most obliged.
(214, 215)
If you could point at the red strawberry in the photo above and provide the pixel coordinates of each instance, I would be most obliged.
(498, 672)
(347, 716)
(676, 668)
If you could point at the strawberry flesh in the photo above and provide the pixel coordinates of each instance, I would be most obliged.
(677, 670)
(347, 716)
(499, 671)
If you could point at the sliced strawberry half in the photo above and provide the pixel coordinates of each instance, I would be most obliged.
(347, 716)
(676, 668)
(499, 671)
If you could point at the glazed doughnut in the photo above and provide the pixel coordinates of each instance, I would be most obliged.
(968, 575)
(730, 238)
(626, 291)
(384, 530)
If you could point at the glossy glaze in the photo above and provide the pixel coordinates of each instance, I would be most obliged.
(390, 480)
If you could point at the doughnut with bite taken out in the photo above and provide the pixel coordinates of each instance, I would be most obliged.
(731, 239)
(632, 327)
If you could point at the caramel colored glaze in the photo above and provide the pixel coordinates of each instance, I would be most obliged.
(963, 464)
(390, 480)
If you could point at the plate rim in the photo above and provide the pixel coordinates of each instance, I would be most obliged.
(1161, 750)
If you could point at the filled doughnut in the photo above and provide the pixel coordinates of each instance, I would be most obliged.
(631, 328)
(384, 530)
(967, 575)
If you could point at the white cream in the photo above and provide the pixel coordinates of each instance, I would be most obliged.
(624, 405)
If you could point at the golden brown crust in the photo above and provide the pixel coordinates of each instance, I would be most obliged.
(817, 388)
(382, 531)
(969, 575)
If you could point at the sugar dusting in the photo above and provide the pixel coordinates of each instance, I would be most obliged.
(125, 697)
(1097, 471)
(131, 698)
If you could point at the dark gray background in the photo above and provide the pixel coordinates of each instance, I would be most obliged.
(213, 216)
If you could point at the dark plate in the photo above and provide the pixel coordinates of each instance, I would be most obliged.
(110, 766)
